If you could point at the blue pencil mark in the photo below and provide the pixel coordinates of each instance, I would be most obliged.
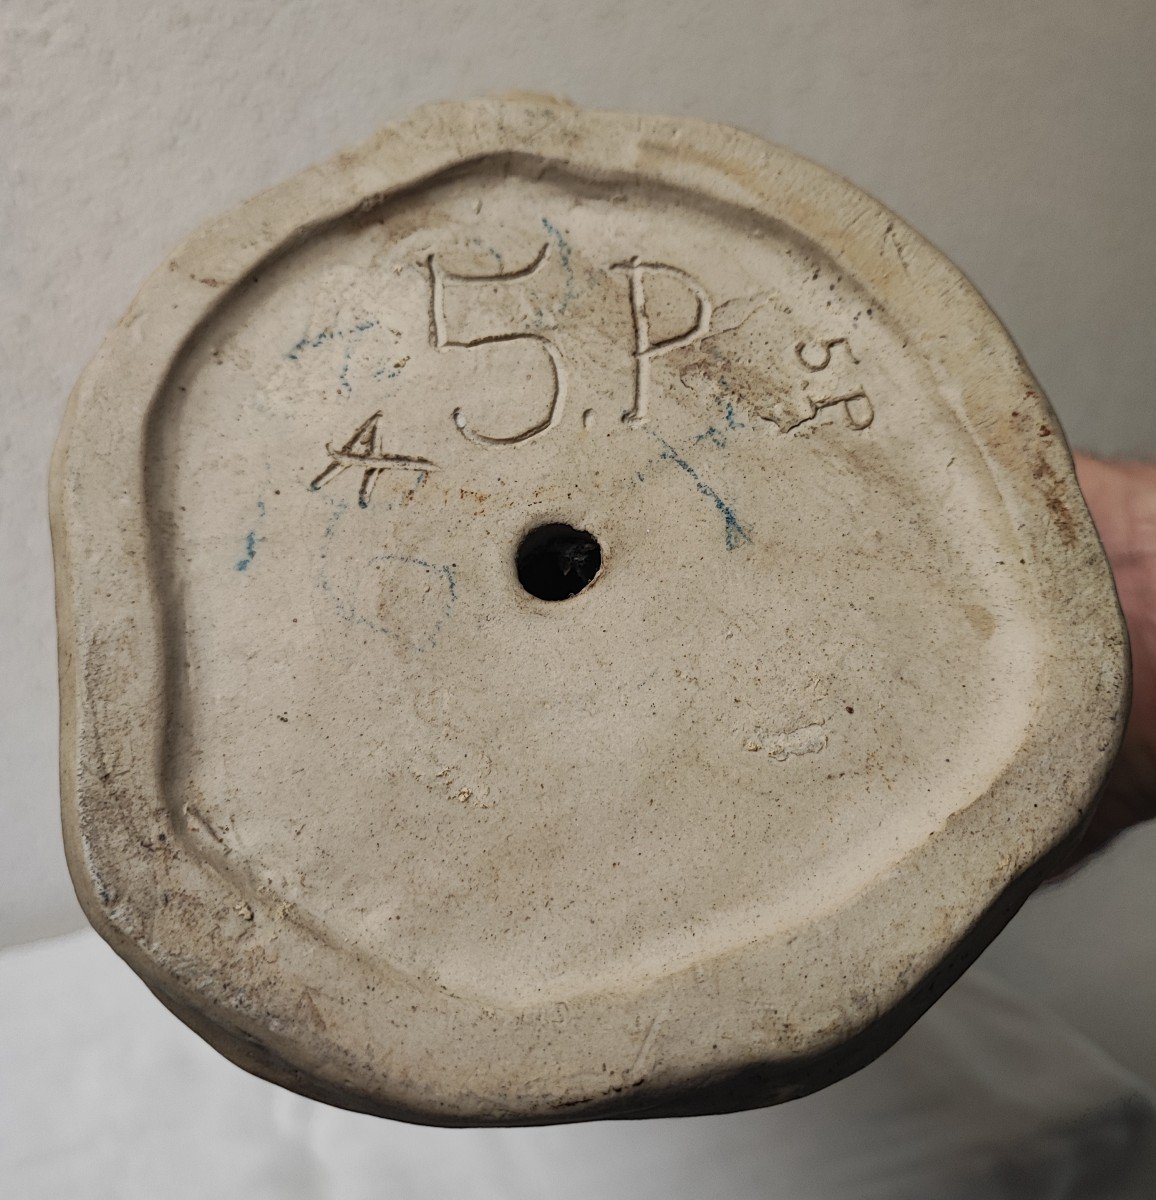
(329, 335)
(718, 437)
(494, 254)
(435, 574)
(438, 573)
(250, 551)
(339, 507)
(736, 535)
(348, 337)
(564, 257)
(251, 541)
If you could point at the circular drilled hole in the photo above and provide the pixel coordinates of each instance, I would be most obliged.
(557, 561)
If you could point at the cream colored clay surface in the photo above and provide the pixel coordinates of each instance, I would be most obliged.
(393, 831)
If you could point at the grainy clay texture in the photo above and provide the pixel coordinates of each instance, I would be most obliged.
(393, 831)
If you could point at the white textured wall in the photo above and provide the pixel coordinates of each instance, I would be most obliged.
(1021, 137)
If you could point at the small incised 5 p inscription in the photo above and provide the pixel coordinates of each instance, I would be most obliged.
(856, 404)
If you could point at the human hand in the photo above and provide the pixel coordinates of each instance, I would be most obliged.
(1122, 499)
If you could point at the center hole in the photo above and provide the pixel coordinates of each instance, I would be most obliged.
(556, 562)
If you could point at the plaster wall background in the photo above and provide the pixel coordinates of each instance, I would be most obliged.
(1020, 138)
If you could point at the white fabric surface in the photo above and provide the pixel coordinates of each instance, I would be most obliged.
(104, 1094)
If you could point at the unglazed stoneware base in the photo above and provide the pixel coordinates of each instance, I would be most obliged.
(391, 830)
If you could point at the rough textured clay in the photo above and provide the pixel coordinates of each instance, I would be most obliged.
(842, 671)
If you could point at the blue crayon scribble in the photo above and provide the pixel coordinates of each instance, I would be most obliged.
(736, 535)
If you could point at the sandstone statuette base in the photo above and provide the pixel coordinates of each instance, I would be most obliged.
(568, 615)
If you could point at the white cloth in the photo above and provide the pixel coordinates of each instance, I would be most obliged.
(106, 1096)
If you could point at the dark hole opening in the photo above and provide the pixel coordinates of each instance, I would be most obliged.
(556, 562)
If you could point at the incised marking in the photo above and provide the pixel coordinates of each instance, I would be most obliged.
(366, 451)
(442, 340)
(644, 348)
(858, 411)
